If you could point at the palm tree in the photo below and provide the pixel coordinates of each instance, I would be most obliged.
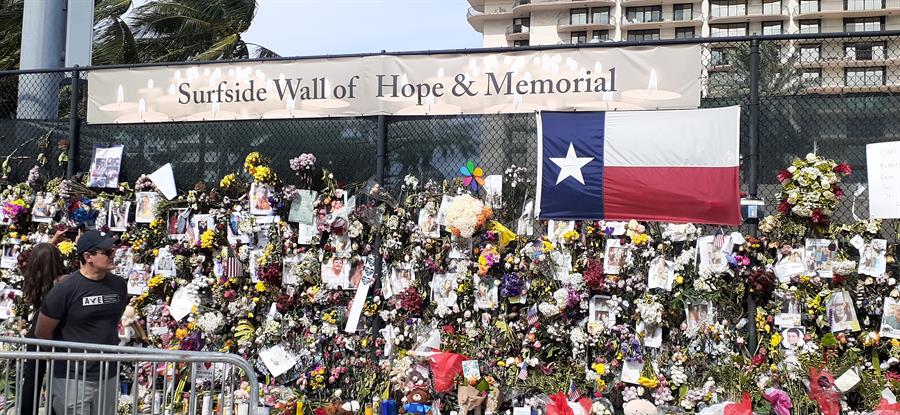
(778, 72)
(10, 32)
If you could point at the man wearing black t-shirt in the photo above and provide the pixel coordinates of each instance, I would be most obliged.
(85, 308)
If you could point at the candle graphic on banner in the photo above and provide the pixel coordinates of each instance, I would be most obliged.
(652, 97)
(120, 104)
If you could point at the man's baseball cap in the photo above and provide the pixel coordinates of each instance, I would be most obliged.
(93, 240)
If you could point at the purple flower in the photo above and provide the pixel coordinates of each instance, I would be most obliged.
(290, 192)
(511, 285)
(305, 161)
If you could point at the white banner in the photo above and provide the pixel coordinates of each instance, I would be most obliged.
(477, 83)
(883, 166)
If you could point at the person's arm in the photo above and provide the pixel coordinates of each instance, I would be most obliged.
(58, 237)
(45, 327)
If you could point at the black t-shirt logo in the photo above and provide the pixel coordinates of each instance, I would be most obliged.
(100, 300)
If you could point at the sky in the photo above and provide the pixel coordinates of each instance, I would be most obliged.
(322, 27)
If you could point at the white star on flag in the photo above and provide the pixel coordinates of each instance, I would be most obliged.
(570, 165)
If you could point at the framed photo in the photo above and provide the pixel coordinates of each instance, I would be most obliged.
(486, 293)
(43, 209)
(164, 264)
(144, 206)
(428, 224)
(259, 199)
(817, 257)
(713, 249)
(790, 265)
(10, 258)
(201, 223)
(303, 207)
(890, 319)
(615, 257)
(443, 290)
(105, 165)
(124, 260)
(138, 279)
(177, 222)
(661, 275)
(793, 337)
(698, 313)
(872, 258)
(290, 274)
(790, 315)
(602, 314)
(335, 273)
(402, 277)
(841, 312)
(235, 234)
(118, 216)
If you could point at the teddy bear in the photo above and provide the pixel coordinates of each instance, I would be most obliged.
(341, 408)
(418, 402)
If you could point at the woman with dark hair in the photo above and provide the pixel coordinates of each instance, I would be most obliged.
(43, 267)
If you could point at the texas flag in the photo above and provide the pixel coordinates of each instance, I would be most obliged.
(668, 166)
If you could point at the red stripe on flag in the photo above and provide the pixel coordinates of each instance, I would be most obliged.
(672, 194)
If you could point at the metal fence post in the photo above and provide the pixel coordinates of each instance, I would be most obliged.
(753, 170)
(380, 156)
(73, 123)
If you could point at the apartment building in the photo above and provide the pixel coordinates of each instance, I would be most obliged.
(849, 65)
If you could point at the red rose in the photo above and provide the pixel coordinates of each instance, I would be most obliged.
(838, 192)
(817, 216)
(784, 176)
(784, 207)
(843, 169)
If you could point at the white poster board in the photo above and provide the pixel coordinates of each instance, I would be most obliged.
(883, 165)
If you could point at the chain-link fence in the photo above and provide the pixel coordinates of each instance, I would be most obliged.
(830, 93)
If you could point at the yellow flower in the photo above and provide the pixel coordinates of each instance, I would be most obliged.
(679, 279)
(206, 239)
(66, 247)
(600, 368)
(640, 239)
(228, 180)
(181, 333)
(648, 382)
(570, 236)
(260, 287)
(895, 343)
(156, 280)
(24, 238)
(13, 235)
(253, 159)
(601, 384)
(547, 246)
(775, 340)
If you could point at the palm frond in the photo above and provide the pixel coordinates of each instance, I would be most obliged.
(115, 44)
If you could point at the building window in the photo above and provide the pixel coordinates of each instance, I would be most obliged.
(811, 77)
(771, 7)
(600, 15)
(810, 52)
(598, 36)
(810, 26)
(578, 16)
(864, 76)
(718, 56)
(640, 35)
(520, 43)
(809, 6)
(683, 11)
(579, 37)
(731, 29)
(684, 32)
(721, 8)
(863, 4)
(772, 28)
(643, 14)
(864, 24)
(865, 51)
(520, 25)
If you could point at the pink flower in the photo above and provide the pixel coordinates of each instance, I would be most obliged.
(843, 169)
(818, 216)
(784, 207)
(838, 192)
(784, 176)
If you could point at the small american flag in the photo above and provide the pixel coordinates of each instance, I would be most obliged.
(533, 315)
(233, 267)
(523, 371)
(574, 394)
(719, 240)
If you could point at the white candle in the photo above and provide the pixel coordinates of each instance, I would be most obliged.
(243, 409)
(120, 104)
(650, 97)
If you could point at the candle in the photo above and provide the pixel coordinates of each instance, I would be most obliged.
(150, 90)
(651, 97)
(120, 104)
(389, 407)
(206, 408)
(142, 115)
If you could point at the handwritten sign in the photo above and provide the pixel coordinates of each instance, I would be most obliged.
(883, 164)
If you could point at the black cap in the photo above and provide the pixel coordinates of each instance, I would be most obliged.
(93, 240)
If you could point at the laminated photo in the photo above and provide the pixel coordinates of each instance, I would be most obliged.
(525, 223)
(342, 244)
(841, 312)
(43, 209)
(306, 234)
(486, 293)
(428, 224)
(661, 275)
(144, 206)
(124, 260)
(789, 265)
(302, 208)
(259, 199)
(790, 315)
(442, 210)
(10, 258)
(615, 257)
(556, 229)
(402, 277)
(290, 270)
(202, 223)
(601, 314)
(493, 191)
(652, 335)
(562, 264)
(792, 338)
(357, 273)
(872, 259)
(443, 290)
(697, 314)
(713, 249)
(138, 279)
(164, 264)
(118, 216)
(335, 273)
(890, 318)
(105, 165)
(817, 257)
(253, 264)
(235, 234)
(177, 223)
(460, 248)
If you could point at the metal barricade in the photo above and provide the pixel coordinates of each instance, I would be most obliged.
(62, 378)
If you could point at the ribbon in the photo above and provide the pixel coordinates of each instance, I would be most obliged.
(559, 405)
(780, 400)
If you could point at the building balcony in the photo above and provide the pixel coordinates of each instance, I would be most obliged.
(842, 89)
(477, 4)
(659, 20)
(848, 62)
(863, 8)
(649, 2)
(476, 18)
(537, 5)
(517, 32)
(749, 14)
(567, 24)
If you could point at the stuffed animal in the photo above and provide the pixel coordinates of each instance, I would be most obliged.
(341, 408)
(418, 402)
(640, 407)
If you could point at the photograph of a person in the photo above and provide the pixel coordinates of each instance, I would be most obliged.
(615, 257)
(817, 257)
(10, 258)
(42, 211)
(697, 313)
(460, 248)
(302, 208)
(138, 279)
(841, 312)
(601, 314)
(8, 302)
(234, 230)
(486, 294)
(557, 228)
(872, 259)
(118, 216)
(443, 289)
(290, 274)
(145, 204)
(661, 275)
(177, 223)
(790, 265)
(402, 277)
(335, 272)
(428, 224)
(712, 249)
(890, 319)
(201, 223)
(792, 337)
(124, 259)
(105, 165)
(790, 315)
(357, 267)
(259, 199)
